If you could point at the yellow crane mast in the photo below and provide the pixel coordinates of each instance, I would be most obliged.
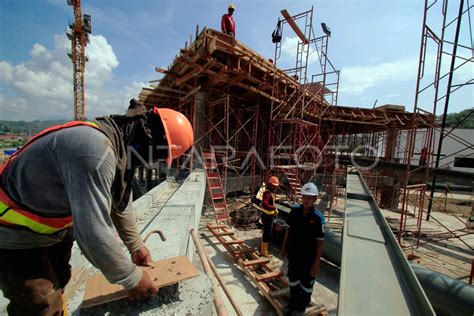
(79, 36)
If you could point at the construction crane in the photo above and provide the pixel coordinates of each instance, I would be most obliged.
(78, 34)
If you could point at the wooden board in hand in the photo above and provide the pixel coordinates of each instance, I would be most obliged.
(162, 273)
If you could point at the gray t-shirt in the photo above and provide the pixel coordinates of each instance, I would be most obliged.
(72, 171)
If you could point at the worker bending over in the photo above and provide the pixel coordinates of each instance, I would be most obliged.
(269, 212)
(73, 182)
(303, 243)
(227, 21)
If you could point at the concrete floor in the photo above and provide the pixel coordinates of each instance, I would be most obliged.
(451, 257)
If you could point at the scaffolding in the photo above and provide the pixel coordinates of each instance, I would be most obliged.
(442, 26)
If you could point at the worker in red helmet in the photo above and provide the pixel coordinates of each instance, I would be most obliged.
(269, 212)
(227, 21)
(73, 182)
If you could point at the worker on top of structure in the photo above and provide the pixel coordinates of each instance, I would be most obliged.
(268, 213)
(303, 243)
(71, 182)
(227, 21)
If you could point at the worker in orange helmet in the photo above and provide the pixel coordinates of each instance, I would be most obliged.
(74, 182)
(269, 212)
(227, 21)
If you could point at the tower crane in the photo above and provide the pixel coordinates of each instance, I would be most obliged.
(78, 34)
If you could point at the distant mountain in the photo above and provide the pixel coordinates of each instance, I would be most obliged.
(27, 128)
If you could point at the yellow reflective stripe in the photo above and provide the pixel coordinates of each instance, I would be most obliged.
(93, 123)
(15, 218)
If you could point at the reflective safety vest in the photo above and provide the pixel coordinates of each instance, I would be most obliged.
(14, 214)
(270, 212)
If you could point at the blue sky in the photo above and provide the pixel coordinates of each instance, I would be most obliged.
(375, 44)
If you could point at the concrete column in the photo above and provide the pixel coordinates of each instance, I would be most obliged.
(148, 183)
(391, 144)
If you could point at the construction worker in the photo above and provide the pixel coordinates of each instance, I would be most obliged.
(80, 175)
(269, 212)
(303, 243)
(227, 21)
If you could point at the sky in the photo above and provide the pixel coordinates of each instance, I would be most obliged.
(374, 43)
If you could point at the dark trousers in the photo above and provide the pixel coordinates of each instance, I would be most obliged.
(301, 285)
(267, 222)
(33, 279)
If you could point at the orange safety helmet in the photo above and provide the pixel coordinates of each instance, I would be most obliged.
(178, 130)
(274, 181)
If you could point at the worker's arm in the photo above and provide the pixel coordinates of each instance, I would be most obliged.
(223, 26)
(320, 231)
(127, 228)
(87, 171)
(289, 222)
(315, 268)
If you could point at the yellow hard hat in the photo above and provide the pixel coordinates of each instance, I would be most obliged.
(231, 6)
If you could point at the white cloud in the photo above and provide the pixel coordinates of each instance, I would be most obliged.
(41, 87)
(5, 72)
(355, 80)
(289, 46)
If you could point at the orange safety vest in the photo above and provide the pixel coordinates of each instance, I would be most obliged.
(14, 214)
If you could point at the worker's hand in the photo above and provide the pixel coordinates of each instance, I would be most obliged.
(142, 257)
(283, 251)
(143, 289)
(314, 270)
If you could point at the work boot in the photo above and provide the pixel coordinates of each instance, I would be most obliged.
(264, 250)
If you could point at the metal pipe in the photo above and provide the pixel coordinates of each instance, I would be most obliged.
(446, 104)
(448, 296)
(218, 303)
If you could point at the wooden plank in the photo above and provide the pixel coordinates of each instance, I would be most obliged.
(294, 26)
(231, 242)
(280, 292)
(268, 276)
(316, 310)
(224, 234)
(255, 262)
(162, 272)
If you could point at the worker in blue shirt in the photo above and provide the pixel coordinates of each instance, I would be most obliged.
(303, 245)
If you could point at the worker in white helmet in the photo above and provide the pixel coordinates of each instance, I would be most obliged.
(227, 21)
(303, 245)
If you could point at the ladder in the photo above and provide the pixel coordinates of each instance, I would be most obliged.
(216, 191)
(272, 284)
(292, 175)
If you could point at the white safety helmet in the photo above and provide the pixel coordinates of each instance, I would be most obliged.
(309, 189)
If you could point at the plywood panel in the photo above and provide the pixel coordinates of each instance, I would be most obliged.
(163, 273)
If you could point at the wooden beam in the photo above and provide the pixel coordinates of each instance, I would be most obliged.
(294, 26)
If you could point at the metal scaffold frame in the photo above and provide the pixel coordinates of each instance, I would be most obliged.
(289, 134)
(441, 29)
